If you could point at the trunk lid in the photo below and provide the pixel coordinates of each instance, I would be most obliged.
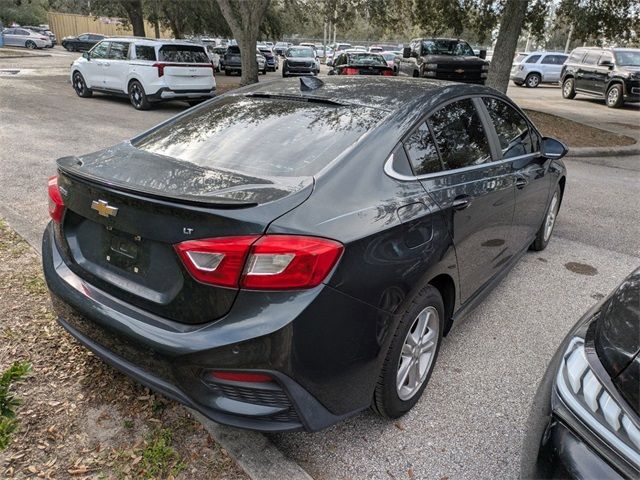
(129, 252)
(189, 76)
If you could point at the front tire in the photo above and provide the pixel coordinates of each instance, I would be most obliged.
(80, 86)
(615, 96)
(137, 97)
(569, 89)
(411, 355)
(285, 74)
(546, 229)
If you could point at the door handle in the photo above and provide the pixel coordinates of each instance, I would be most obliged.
(521, 182)
(461, 202)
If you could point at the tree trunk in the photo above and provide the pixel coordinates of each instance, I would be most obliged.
(244, 18)
(510, 28)
(134, 12)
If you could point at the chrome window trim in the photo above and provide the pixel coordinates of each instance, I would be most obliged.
(388, 168)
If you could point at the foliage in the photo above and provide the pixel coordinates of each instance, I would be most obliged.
(23, 12)
(159, 458)
(9, 401)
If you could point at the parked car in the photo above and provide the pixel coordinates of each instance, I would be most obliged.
(375, 49)
(530, 70)
(360, 63)
(360, 48)
(262, 63)
(220, 51)
(281, 258)
(83, 42)
(272, 61)
(443, 58)
(213, 56)
(390, 58)
(609, 73)
(145, 70)
(45, 32)
(21, 37)
(300, 61)
(585, 419)
(232, 62)
(281, 47)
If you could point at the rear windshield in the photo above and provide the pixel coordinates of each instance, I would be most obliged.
(367, 59)
(183, 54)
(262, 136)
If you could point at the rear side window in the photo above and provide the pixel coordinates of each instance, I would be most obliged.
(576, 56)
(262, 136)
(459, 135)
(145, 52)
(119, 51)
(422, 151)
(532, 59)
(554, 59)
(592, 58)
(233, 50)
(511, 127)
(183, 54)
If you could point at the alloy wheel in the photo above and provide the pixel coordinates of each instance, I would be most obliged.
(533, 81)
(612, 96)
(567, 88)
(418, 352)
(78, 83)
(550, 221)
(136, 95)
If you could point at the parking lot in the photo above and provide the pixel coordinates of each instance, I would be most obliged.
(470, 422)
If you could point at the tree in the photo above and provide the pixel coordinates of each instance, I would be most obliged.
(134, 12)
(244, 18)
(511, 22)
(23, 12)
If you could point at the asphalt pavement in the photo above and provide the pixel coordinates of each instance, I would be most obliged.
(469, 424)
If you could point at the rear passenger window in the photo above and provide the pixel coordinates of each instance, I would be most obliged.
(459, 135)
(592, 58)
(576, 56)
(145, 52)
(532, 59)
(422, 151)
(554, 59)
(512, 129)
(119, 51)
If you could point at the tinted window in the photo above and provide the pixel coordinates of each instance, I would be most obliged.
(511, 127)
(183, 53)
(19, 31)
(446, 47)
(100, 50)
(119, 51)
(628, 58)
(459, 135)
(422, 151)
(145, 52)
(262, 137)
(366, 59)
(95, 38)
(233, 50)
(576, 56)
(83, 38)
(607, 57)
(592, 58)
(532, 59)
(554, 59)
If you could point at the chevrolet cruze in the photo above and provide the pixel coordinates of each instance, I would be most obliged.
(288, 254)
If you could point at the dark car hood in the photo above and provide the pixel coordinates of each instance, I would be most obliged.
(125, 167)
(617, 333)
(445, 59)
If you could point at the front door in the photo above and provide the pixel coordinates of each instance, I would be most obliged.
(475, 192)
(94, 68)
(602, 73)
(116, 67)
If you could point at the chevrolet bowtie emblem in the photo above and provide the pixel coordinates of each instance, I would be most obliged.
(103, 208)
(459, 70)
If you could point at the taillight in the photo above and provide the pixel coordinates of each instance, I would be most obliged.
(270, 262)
(56, 205)
(351, 71)
(387, 73)
(160, 67)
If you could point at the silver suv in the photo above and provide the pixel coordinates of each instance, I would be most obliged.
(532, 69)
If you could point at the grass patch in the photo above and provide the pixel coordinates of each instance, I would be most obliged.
(159, 458)
(9, 401)
(36, 285)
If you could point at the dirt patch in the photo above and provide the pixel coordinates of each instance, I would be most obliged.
(80, 417)
(576, 134)
(581, 268)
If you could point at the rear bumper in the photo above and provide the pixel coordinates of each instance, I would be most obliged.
(317, 380)
(168, 94)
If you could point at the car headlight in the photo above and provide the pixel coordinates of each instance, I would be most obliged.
(431, 66)
(589, 399)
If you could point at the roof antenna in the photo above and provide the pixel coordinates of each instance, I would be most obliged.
(310, 83)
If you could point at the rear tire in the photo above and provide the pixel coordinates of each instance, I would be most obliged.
(532, 80)
(80, 86)
(30, 44)
(285, 74)
(546, 229)
(137, 97)
(615, 96)
(569, 89)
(411, 356)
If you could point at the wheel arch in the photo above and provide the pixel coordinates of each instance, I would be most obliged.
(446, 286)
(615, 81)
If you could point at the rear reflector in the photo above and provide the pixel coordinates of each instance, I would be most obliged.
(351, 71)
(387, 73)
(269, 262)
(56, 205)
(242, 376)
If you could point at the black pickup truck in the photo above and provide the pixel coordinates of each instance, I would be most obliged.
(443, 58)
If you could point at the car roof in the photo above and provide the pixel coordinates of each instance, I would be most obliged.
(155, 41)
(543, 53)
(386, 93)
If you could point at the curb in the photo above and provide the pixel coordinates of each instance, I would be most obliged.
(603, 152)
(254, 453)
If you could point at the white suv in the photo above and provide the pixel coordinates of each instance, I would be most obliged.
(145, 70)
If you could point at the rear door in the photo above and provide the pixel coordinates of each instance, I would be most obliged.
(586, 71)
(520, 146)
(116, 66)
(475, 192)
(187, 67)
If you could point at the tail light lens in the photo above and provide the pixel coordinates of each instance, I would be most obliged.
(241, 376)
(387, 73)
(351, 71)
(270, 262)
(56, 205)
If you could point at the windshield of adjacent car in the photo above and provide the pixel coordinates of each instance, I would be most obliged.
(367, 59)
(183, 54)
(627, 58)
(446, 47)
(388, 56)
(301, 52)
(262, 136)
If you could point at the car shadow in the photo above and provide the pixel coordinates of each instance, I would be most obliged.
(168, 106)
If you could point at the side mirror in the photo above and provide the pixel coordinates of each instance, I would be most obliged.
(605, 63)
(87, 55)
(482, 54)
(406, 52)
(552, 148)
